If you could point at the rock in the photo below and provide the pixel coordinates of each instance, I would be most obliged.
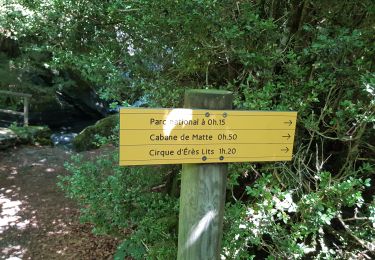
(33, 134)
(53, 111)
(55, 105)
(7, 138)
(72, 101)
(24, 135)
(104, 127)
(59, 97)
(9, 46)
(82, 95)
(48, 108)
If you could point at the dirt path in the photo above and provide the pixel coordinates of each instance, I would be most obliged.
(36, 220)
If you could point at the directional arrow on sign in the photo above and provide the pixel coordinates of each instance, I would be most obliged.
(287, 136)
(289, 123)
(286, 149)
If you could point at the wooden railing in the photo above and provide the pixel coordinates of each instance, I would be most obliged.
(26, 102)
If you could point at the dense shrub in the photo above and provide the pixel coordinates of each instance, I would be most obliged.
(123, 202)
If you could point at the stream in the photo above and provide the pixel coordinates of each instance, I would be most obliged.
(64, 136)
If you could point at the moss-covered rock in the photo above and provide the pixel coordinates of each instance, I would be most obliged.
(24, 135)
(33, 134)
(7, 138)
(87, 139)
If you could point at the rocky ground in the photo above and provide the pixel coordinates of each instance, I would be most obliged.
(36, 220)
(7, 138)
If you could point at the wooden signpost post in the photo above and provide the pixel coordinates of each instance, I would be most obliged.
(203, 137)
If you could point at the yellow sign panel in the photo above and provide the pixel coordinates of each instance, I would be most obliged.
(174, 136)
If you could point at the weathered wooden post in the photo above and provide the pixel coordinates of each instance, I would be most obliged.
(26, 111)
(203, 191)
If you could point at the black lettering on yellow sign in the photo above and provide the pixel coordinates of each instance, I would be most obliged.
(154, 121)
(174, 122)
(185, 137)
(162, 153)
(202, 137)
(206, 151)
(188, 151)
(160, 137)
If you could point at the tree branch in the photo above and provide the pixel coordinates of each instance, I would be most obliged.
(367, 245)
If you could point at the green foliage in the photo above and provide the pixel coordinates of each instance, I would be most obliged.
(286, 225)
(128, 248)
(8, 76)
(121, 202)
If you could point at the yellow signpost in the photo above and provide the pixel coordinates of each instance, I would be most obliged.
(170, 136)
(204, 140)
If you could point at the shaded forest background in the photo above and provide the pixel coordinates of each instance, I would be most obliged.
(314, 57)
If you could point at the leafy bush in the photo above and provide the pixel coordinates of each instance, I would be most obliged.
(121, 201)
(284, 224)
